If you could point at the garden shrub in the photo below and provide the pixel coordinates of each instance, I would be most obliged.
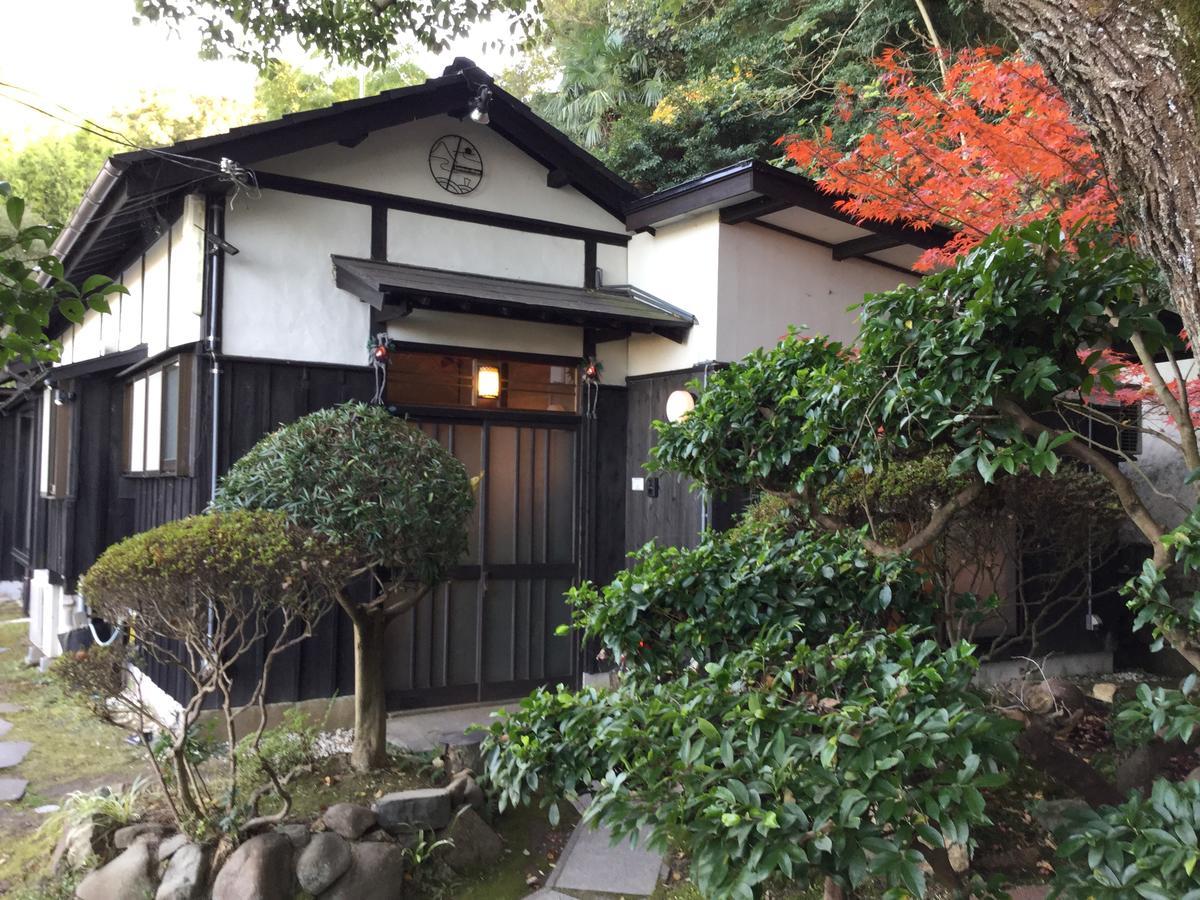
(1146, 847)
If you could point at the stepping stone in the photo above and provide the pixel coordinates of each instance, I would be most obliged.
(12, 752)
(5, 727)
(12, 789)
(590, 862)
(47, 809)
(7, 709)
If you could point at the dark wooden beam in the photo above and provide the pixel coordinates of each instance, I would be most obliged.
(589, 264)
(861, 246)
(752, 209)
(352, 142)
(379, 232)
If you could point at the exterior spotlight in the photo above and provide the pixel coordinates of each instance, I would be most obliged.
(479, 106)
(679, 404)
(62, 398)
(487, 382)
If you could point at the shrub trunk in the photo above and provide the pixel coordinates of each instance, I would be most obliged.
(370, 707)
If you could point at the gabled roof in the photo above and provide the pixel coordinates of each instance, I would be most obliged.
(619, 308)
(753, 191)
(138, 192)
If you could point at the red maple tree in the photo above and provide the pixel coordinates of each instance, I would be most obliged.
(993, 146)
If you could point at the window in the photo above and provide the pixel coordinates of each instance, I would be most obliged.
(57, 420)
(158, 417)
(417, 378)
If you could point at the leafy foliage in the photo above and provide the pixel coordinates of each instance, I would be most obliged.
(932, 363)
(350, 32)
(666, 91)
(758, 725)
(283, 88)
(374, 484)
(1146, 847)
(993, 145)
(33, 289)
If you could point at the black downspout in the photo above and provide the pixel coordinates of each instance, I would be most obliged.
(214, 279)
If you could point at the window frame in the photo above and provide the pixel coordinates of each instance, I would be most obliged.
(153, 425)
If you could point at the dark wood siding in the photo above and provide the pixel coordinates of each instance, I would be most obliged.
(674, 517)
(18, 488)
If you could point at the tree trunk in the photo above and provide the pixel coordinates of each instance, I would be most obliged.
(370, 707)
(1129, 70)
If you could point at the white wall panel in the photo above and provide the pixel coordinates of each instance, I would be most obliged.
(487, 333)
(187, 274)
(396, 161)
(130, 320)
(678, 265)
(613, 263)
(483, 250)
(280, 300)
(156, 285)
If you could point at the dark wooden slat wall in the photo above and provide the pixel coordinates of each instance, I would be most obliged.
(673, 517)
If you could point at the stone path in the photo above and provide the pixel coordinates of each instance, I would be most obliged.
(12, 752)
(12, 789)
(429, 729)
(591, 866)
(5, 727)
(8, 709)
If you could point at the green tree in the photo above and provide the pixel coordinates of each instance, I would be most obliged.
(283, 88)
(349, 32)
(670, 91)
(392, 498)
(33, 289)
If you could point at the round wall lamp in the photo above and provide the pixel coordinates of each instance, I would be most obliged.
(679, 404)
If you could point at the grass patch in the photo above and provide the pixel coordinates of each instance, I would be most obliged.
(71, 751)
(522, 828)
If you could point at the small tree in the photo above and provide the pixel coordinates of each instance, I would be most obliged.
(391, 497)
(200, 595)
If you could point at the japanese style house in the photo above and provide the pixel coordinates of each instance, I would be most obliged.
(496, 261)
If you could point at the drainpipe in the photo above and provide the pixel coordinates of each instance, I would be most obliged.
(214, 224)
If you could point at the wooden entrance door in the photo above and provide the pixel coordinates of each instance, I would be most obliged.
(489, 632)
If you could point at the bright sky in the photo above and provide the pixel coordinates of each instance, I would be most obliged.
(88, 56)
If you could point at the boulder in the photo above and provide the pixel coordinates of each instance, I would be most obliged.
(376, 873)
(129, 875)
(297, 833)
(474, 843)
(124, 837)
(170, 845)
(413, 810)
(186, 876)
(260, 869)
(349, 820)
(1054, 814)
(78, 846)
(322, 862)
(464, 791)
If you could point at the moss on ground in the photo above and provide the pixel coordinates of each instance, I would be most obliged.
(71, 751)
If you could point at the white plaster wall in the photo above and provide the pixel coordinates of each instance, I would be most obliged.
(769, 281)
(487, 333)
(613, 263)
(613, 357)
(280, 300)
(156, 298)
(481, 249)
(130, 312)
(185, 323)
(396, 161)
(679, 265)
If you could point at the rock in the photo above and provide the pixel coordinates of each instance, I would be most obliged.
(8, 709)
(12, 752)
(1193, 775)
(12, 789)
(376, 873)
(47, 809)
(129, 875)
(322, 862)
(1054, 697)
(78, 847)
(475, 844)
(378, 835)
(411, 810)
(463, 751)
(124, 837)
(1104, 692)
(260, 869)
(464, 790)
(297, 833)
(186, 876)
(5, 727)
(349, 820)
(170, 845)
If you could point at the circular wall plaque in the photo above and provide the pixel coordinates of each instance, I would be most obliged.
(455, 164)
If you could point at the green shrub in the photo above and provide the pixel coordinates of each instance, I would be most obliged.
(1146, 847)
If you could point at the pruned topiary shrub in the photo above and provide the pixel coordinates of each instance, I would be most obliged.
(391, 498)
(202, 595)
